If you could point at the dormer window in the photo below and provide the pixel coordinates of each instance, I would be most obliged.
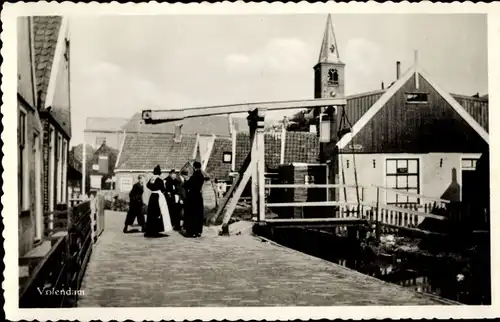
(417, 98)
(333, 76)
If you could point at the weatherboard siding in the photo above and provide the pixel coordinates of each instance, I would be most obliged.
(417, 128)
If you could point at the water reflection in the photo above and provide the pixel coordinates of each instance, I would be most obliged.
(454, 279)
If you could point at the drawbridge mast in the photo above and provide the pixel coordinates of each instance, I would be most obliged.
(254, 165)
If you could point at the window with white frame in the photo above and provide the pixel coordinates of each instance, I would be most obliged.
(227, 157)
(59, 168)
(417, 98)
(64, 169)
(469, 164)
(22, 155)
(402, 175)
(126, 184)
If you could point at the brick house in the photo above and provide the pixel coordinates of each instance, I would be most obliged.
(51, 53)
(292, 156)
(101, 168)
(141, 152)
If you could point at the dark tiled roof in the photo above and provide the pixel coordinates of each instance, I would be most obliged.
(46, 32)
(300, 147)
(143, 151)
(216, 168)
(97, 124)
(208, 125)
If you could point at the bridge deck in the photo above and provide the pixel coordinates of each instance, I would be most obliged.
(127, 270)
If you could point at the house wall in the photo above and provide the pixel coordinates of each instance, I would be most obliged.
(55, 159)
(435, 177)
(61, 109)
(113, 139)
(401, 127)
(204, 143)
(30, 205)
(30, 213)
(24, 66)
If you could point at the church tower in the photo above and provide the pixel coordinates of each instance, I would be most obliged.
(329, 77)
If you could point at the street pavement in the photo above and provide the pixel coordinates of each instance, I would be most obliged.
(128, 270)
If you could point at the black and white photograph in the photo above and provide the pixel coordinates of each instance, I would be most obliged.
(250, 160)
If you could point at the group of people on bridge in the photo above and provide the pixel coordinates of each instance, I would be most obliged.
(176, 203)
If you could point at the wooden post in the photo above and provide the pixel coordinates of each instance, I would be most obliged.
(283, 141)
(261, 165)
(234, 200)
(328, 182)
(377, 224)
(252, 123)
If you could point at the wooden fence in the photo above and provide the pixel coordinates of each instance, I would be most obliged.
(55, 281)
(444, 215)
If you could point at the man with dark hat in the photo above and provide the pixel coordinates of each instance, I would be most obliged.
(194, 208)
(173, 198)
(182, 195)
(136, 205)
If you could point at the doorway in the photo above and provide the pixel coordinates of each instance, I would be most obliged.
(38, 188)
(468, 179)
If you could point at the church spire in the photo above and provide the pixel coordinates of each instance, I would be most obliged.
(329, 51)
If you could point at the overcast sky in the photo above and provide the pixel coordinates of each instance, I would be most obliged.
(124, 64)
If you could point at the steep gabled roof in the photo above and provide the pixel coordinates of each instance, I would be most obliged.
(216, 167)
(414, 71)
(46, 33)
(103, 150)
(143, 151)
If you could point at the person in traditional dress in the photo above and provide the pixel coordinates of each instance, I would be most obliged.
(158, 219)
(173, 199)
(136, 205)
(183, 196)
(194, 208)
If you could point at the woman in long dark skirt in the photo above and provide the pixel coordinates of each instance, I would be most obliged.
(194, 208)
(158, 217)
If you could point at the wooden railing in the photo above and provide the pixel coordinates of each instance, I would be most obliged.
(56, 280)
(452, 215)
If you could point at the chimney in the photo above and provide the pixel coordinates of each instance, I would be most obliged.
(398, 70)
(178, 133)
(382, 85)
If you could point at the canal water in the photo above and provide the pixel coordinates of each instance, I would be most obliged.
(421, 265)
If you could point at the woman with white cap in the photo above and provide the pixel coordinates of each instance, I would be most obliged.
(158, 217)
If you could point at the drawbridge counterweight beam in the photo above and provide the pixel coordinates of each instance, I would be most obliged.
(254, 166)
(161, 116)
